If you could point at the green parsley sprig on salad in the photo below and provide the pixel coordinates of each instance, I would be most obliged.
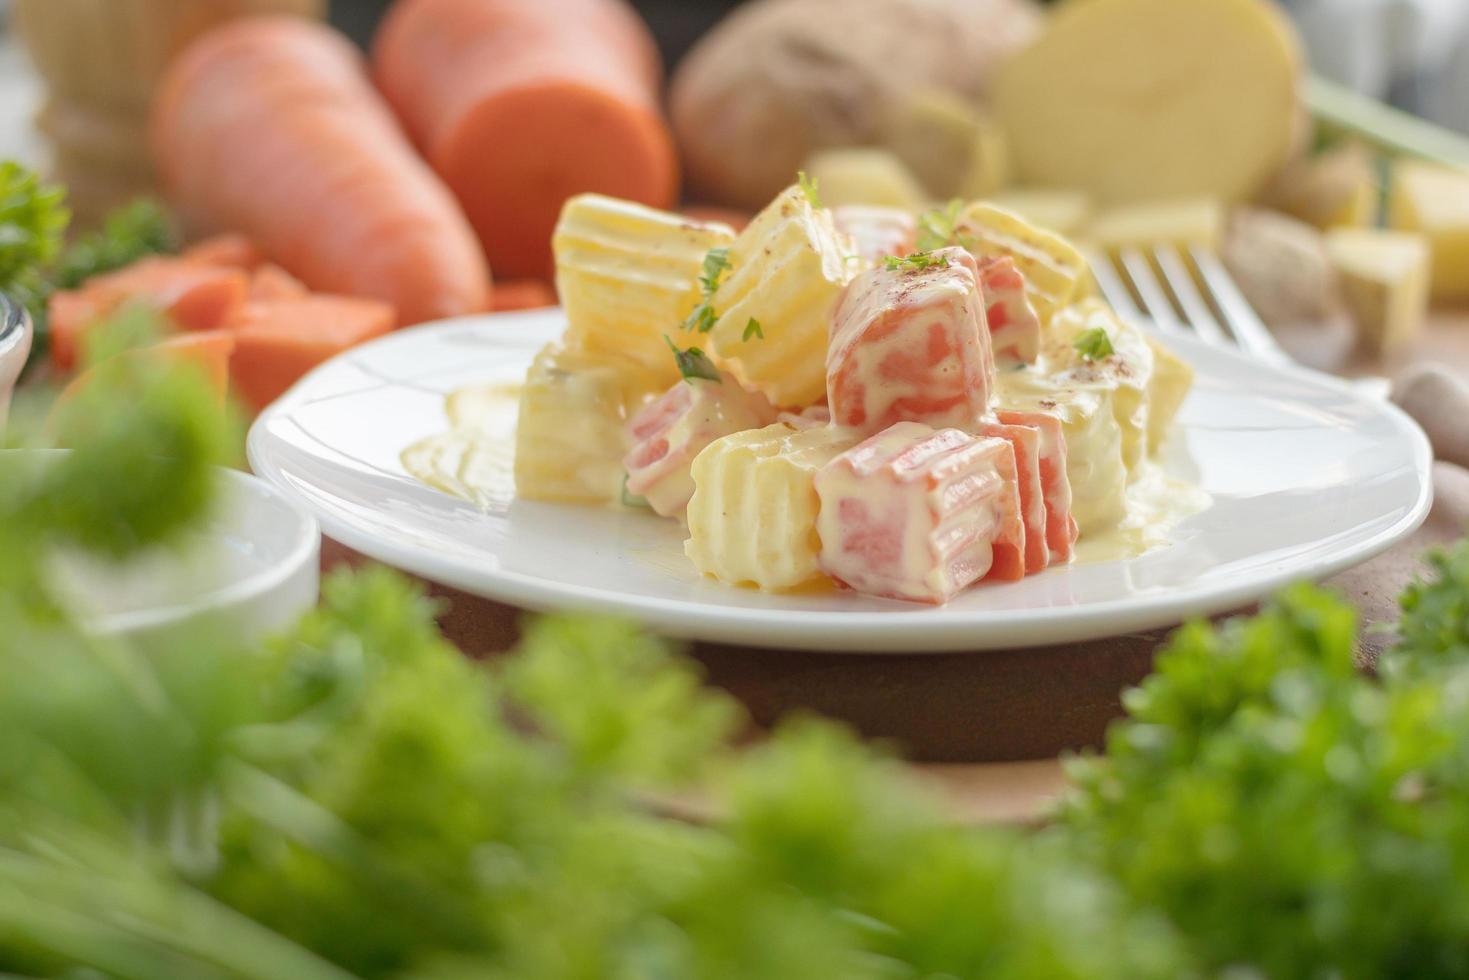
(716, 263)
(693, 363)
(915, 262)
(809, 187)
(939, 228)
(1094, 344)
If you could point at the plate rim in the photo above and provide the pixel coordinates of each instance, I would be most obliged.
(885, 632)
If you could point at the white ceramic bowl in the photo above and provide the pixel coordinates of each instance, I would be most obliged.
(251, 569)
(15, 347)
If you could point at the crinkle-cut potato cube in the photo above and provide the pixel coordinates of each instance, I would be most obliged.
(919, 514)
(629, 274)
(1015, 329)
(1167, 390)
(910, 344)
(1095, 469)
(752, 519)
(1184, 224)
(1128, 371)
(1055, 272)
(876, 232)
(788, 268)
(669, 432)
(1061, 530)
(569, 434)
(1025, 440)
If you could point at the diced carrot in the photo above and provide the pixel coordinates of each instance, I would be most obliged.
(232, 250)
(269, 126)
(69, 313)
(520, 105)
(270, 281)
(193, 295)
(278, 341)
(523, 294)
(209, 350)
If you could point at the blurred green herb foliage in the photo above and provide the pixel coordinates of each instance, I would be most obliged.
(357, 799)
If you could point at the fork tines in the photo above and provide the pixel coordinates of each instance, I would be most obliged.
(1183, 291)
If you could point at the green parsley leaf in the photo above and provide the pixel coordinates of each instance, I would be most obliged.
(716, 263)
(632, 499)
(701, 319)
(918, 260)
(939, 228)
(1093, 344)
(694, 363)
(128, 234)
(809, 188)
(752, 329)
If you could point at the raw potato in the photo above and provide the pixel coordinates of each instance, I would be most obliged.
(867, 176)
(1063, 212)
(780, 79)
(1153, 99)
(1335, 188)
(1281, 266)
(1385, 281)
(1182, 224)
(1434, 200)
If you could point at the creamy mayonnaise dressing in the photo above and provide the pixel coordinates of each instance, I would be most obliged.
(475, 459)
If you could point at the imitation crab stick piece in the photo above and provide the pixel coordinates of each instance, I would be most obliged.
(878, 232)
(1015, 329)
(676, 426)
(1025, 440)
(919, 514)
(270, 127)
(1061, 528)
(521, 105)
(193, 295)
(909, 344)
(278, 341)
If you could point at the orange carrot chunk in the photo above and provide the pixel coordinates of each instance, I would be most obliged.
(278, 341)
(269, 127)
(228, 249)
(521, 105)
(272, 282)
(194, 296)
(208, 350)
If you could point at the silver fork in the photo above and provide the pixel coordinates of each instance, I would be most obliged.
(1183, 291)
(1166, 293)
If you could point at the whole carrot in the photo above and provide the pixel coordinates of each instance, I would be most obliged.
(520, 105)
(270, 127)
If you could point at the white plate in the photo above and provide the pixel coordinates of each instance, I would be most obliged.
(1308, 477)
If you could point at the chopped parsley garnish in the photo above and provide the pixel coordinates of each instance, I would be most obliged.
(752, 329)
(918, 260)
(693, 363)
(631, 499)
(939, 228)
(808, 187)
(1093, 344)
(716, 263)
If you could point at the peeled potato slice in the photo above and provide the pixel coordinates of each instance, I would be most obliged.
(1153, 99)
